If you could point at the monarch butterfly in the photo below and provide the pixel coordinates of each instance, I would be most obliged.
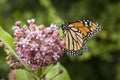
(76, 34)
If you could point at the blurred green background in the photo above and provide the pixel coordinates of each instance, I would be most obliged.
(101, 62)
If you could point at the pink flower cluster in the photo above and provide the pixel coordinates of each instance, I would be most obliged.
(37, 45)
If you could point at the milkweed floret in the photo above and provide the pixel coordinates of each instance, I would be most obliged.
(37, 45)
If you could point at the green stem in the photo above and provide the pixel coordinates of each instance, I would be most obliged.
(40, 73)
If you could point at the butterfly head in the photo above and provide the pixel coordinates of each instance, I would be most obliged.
(65, 26)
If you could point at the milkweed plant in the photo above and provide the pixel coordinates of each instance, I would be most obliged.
(34, 51)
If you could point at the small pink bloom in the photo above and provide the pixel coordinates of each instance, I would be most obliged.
(18, 23)
(31, 21)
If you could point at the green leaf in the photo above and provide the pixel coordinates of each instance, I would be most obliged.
(7, 39)
(54, 71)
(23, 75)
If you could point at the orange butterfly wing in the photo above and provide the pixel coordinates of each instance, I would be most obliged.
(81, 27)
